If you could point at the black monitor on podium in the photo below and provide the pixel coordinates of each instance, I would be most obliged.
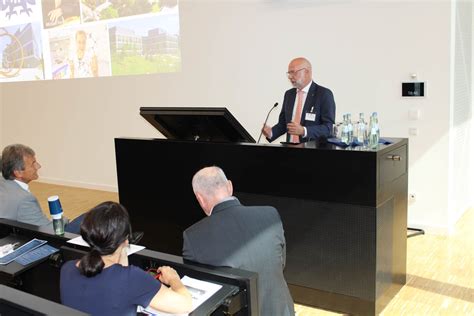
(197, 124)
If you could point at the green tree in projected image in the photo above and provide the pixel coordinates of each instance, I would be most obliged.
(117, 8)
(135, 65)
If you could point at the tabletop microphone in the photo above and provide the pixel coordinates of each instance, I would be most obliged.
(261, 132)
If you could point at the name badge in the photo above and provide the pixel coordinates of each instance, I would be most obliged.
(310, 117)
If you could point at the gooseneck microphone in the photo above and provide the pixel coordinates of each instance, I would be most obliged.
(261, 132)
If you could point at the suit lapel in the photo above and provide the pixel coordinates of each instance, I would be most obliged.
(309, 102)
(289, 109)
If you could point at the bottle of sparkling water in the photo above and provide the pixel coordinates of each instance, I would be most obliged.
(377, 125)
(362, 130)
(374, 131)
(350, 128)
(56, 212)
(345, 130)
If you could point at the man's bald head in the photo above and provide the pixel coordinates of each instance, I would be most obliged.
(300, 72)
(210, 185)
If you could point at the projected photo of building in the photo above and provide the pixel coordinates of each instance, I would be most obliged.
(95, 10)
(59, 39)
(21, 56)
(148, 45)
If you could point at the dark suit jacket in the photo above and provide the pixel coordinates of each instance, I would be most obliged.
(249, 238)
(320, 101)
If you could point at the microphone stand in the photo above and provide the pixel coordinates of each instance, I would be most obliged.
(261, 132)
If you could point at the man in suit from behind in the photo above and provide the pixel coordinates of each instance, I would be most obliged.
(237, 236)
(308, 110)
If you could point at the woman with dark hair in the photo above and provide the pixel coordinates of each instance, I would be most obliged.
(102, 282)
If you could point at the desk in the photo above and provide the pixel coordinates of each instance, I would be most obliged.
(343, 211)
(238, 294)
(14, 302)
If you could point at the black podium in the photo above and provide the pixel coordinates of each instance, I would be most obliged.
(343, 211)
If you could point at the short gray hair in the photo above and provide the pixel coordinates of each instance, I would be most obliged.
(209, 180)
(12, 159)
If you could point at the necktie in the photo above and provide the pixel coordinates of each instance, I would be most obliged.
(297, 116)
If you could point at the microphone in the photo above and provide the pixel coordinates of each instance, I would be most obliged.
(261, 132)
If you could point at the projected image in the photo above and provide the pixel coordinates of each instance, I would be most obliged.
(21, 56)
(145, 45)
(80, 52)
(96, 10)
(61, 39)
(61, 13)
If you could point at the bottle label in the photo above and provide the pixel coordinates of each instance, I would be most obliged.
(57, 216)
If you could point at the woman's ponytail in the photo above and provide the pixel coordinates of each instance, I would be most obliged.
(104, 228)
(91, 264)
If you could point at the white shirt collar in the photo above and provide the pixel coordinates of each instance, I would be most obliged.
(23, 185)
(306, 88)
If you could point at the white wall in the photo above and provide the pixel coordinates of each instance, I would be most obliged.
(235, 54)
(460, 182)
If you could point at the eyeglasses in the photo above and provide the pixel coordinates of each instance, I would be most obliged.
(293, 72)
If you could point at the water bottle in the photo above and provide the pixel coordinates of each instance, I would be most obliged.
(345, 131)
(350, 128)
(374, 132)
(56, 212)
(362, 130)
(376, 118)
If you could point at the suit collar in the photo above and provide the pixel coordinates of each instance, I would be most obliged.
(308, 102)
(225, 205)
(307, 87)
(23, 185)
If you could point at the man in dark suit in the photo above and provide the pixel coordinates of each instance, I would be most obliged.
(308, 111)
(237, 236)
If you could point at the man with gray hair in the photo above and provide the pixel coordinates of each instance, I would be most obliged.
(19, 168)
(237, 236)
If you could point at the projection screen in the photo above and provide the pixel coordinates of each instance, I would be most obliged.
(59, 39)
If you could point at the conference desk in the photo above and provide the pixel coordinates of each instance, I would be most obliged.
(18, 303)
(237, 295)
(344, 211)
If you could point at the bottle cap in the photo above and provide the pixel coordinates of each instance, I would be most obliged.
(54, 205)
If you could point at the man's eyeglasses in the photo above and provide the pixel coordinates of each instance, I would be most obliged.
(293, 72)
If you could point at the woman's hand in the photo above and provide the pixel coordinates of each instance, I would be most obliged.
(168, 275)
